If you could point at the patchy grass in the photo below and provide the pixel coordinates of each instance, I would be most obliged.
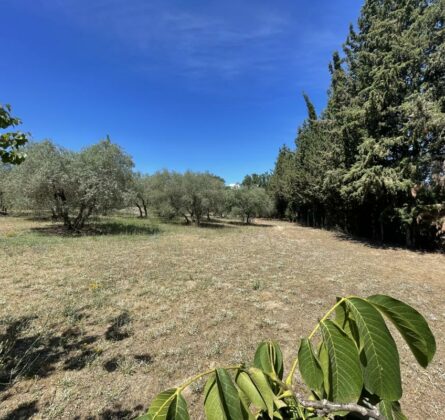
(97, 324)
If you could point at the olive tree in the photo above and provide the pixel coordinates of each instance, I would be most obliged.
(203, 192)
(168, 195)
(191, 195)
(72, 185)
(44, 180)
(4, 177)
(250, 202)
(140, 192)
(103, 174)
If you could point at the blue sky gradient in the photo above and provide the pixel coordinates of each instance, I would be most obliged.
(200, 85)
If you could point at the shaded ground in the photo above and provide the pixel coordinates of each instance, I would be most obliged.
(96, 325)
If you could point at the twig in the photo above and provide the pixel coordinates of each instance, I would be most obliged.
(325, 407)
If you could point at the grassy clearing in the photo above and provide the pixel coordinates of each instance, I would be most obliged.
(98, 324)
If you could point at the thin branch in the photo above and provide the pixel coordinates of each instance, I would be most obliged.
(325, 407)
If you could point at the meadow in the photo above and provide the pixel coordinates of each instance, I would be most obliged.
(93, 326)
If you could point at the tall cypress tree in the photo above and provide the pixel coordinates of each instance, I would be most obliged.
(374, 162)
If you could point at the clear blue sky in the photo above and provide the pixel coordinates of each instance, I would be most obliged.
(201, 85)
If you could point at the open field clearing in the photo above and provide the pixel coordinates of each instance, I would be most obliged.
(96, 325)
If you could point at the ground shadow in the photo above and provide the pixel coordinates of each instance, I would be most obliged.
(98, 229)
(23, 411)
(112, 365)
(224, 224)
(375, 244)
(119, 329)
(26, 355)
(252, 224)
(117, 413)
(214, 225)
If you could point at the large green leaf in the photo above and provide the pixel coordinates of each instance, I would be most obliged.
(245, 404)
(391, 410)
(309, 366)
(269, 359)
(323, 357)
(255, 385)
(168, 405)
(345, 375)
(346, 322)
(411, 325)
(222, 401)
(378, 351)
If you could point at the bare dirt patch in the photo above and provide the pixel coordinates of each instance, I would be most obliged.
(104, 322)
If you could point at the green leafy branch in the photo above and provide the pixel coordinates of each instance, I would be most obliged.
(11, 142)
(349, 364)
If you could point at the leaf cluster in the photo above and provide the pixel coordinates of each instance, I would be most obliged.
(349, 364)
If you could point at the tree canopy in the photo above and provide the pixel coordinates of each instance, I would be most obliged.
(373, 162)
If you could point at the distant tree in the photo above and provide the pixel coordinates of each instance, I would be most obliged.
(139, 194)
(257, 180)
(4, 179)
(214, 195)
(248, 203)
(281, 185)
(11, 142)
(191, 195)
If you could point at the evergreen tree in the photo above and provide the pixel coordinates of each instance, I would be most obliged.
(373, 163)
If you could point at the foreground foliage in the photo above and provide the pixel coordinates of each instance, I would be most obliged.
(349, 365)
(11, 142)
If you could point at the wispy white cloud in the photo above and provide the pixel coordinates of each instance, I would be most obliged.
(197, 42)
(206, 40)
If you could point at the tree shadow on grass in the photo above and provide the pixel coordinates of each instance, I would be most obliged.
(214, 225)
(375, 244)
(23, 411)
(250, 225)
(26, 354)
(98, 229)
(117, 412)
(227, 224)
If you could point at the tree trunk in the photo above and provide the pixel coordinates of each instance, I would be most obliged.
(187, 221)
(62, 208)
(140, 210)
(84, 214)
(144, 204)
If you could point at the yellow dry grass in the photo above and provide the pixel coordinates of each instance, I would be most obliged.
(100, 324)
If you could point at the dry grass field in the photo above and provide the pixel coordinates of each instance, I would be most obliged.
(94, 326)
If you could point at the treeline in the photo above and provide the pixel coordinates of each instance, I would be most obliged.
(72, 186)
(373, 162)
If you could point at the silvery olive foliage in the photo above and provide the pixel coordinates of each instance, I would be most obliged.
(73, 185)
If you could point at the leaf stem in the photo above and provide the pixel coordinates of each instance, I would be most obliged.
(208, 372)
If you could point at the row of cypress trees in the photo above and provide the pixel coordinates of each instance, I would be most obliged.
(373, 162)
